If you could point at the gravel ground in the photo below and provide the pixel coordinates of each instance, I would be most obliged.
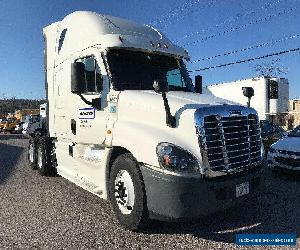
(51, 213)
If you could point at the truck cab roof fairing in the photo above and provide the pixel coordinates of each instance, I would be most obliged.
(85, 29)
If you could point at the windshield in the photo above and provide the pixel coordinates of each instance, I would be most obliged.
(137, 70)
(295, 132)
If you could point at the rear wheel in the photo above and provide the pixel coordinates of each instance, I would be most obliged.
(45, 164)
(127, 193)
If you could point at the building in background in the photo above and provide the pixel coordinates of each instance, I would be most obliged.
(271, 96)
(293, 118)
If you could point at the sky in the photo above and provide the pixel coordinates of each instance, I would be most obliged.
(214, 32)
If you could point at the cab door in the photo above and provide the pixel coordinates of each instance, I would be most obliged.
(89, 124)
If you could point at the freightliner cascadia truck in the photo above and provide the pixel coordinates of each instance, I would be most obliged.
(126, 123)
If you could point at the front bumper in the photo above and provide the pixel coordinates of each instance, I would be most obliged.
(284, 163)
(172, 198)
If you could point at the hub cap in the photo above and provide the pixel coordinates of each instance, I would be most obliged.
(124, 192)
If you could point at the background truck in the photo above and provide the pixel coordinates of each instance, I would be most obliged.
(10, 124)
(270, 100)
(2, 122)
(14, 120)
(125, 122)
(21, 114)
(35, 124)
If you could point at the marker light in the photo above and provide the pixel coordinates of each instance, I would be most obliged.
(158, 45)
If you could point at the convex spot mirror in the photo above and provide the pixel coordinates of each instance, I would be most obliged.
(248, 91)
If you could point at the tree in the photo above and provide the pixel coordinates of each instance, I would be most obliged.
(270, 68)
(10, 105)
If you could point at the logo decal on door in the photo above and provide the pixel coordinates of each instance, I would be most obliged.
(86, 113)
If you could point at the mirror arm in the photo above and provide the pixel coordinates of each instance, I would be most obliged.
(170, 120)
(85, 100)
(95, 103)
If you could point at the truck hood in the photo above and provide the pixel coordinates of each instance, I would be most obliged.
(288, 143)
(141, 116)
(177, 99)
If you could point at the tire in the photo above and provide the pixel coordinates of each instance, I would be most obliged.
(276, 172)
(127, 193)
(45, 165)
(32, 153)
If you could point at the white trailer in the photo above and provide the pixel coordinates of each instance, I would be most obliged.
(113, 129)
(271, 94)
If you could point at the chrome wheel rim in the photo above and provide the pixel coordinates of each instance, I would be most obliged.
(30, 151)
(40, 158)
(124, 192)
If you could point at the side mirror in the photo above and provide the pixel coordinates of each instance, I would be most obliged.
(160, 86)
(248, 91)
(198, 84)
(77, 78)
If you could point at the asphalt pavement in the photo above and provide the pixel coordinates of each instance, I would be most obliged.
(39, 212)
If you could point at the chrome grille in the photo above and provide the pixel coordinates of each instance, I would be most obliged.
(231, 142)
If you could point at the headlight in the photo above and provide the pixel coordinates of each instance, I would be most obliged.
(174, 158)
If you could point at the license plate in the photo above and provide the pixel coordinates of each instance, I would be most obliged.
(242, 189)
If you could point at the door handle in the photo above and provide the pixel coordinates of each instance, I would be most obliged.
(73, 126)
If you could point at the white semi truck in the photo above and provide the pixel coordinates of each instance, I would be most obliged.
(125, 122)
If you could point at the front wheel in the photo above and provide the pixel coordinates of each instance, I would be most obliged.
(127, 193)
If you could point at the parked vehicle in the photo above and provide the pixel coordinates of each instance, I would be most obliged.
(31, 123)
(36, 123)
(285, 154)
(270, 133)
(2, 122)
(21, 114)
(125, 122)
(19, 128)
(10, 124)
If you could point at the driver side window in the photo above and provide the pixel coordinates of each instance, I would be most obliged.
(93, 77)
